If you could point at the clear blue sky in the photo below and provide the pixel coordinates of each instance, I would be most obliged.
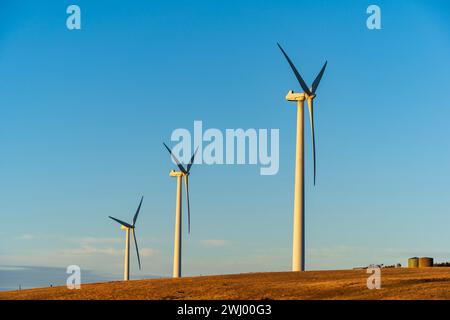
(84, 113)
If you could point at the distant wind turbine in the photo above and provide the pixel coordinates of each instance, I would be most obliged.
(183, 173)
(298, 250)
(127, 227)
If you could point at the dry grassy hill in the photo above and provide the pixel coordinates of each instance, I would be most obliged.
(427, 283)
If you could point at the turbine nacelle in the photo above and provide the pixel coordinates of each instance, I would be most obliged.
(293, 96)
(174, 173)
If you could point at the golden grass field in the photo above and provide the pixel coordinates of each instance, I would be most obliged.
(401, 283)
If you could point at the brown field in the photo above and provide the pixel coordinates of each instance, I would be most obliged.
(426, 283)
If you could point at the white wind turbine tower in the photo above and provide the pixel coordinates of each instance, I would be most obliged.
(129, 227)
(183, 173)
(298, 248)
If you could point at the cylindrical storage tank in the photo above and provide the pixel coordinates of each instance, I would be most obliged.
(413, 262)
(425, 262)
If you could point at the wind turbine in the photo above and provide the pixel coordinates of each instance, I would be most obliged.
(183, 173)
(129, 227)
(298, 248)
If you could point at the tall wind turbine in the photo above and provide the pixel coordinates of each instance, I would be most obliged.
(183, 173)
(129, 227)
(298, 248)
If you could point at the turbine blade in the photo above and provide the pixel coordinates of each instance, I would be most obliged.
(137, 211)
(297, 74)
(175, 158)
(137, 250)
(318, 78)
(122, 223)
(192, 161)
(311, 119)
(186, 182)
